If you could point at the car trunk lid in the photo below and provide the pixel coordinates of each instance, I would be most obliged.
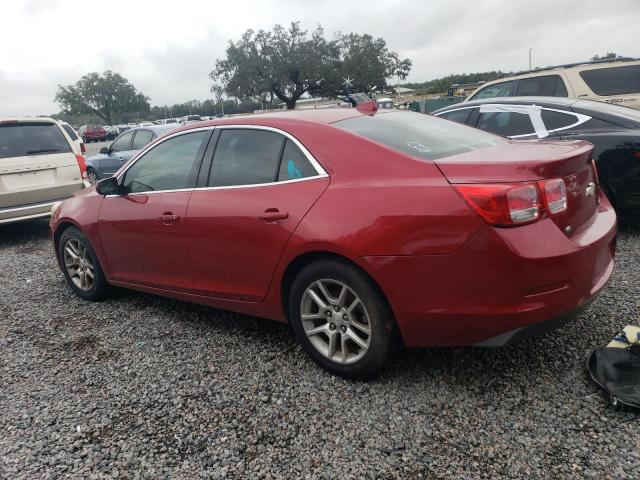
(534, 161)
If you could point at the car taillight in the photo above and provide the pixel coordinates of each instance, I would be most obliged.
(555, 195)
(82, 165)
(596, 178)
(503, 205)
(83, 149)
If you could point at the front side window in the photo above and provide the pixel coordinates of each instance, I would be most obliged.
(543, 86)
(142, 138)
(170, 165)
(122, 143)
(507, 124)
(246, 157)
(422, 136)
(459, 116)
(613, 80)
(502, 89)
(20, 139)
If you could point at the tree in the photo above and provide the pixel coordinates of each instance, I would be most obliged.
(285, 63)
(608, 56)
(368, 63)
(108, 95)
(218, 92)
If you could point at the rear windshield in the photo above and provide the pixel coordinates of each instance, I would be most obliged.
(613, 80)
(193, 117)
(20, 139)
(420, 135)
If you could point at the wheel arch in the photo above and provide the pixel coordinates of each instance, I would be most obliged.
(301, 261)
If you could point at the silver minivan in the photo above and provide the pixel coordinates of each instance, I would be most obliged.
(38, 168)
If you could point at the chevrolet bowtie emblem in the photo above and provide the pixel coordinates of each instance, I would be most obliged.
(590, 190)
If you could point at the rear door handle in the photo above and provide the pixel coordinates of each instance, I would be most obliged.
(168, 218)
(273, 214)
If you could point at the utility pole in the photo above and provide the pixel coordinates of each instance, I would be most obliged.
(530, 48)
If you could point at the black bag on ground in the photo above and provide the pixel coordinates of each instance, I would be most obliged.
(617, 371)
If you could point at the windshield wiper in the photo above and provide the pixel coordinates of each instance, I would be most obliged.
(43, 150)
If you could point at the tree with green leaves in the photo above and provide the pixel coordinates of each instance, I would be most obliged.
(368, 63)
(107, 95)
(287, 63)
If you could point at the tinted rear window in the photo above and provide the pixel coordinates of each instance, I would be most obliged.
(420, 135)
(614, 80)
(20, 139)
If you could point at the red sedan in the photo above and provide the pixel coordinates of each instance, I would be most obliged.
(364, 230)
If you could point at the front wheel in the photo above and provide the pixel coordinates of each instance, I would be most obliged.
(80, 265)
(342, 320)
(92, 176)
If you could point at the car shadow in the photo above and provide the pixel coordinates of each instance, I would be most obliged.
(19, 233)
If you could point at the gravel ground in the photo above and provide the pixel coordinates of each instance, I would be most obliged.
(145, 387)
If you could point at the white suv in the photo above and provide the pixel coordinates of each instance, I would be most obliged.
(616, 81)
(38, 168)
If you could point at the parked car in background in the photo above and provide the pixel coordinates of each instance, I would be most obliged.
(166, 121)
(120, 129)
(146, 124)
(361, 229)
(92, 133)
(111, 158)
(38, 167)
(112, 132)
(614, 130)
(189, 119)
(611, 81)
(76, 140)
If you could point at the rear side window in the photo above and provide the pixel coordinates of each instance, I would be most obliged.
(613, 80)
(294, 164)
(70, 131)
(170, 165)
(20, 139)
(246, 157)
(419, 135)
(507, 124)
(502, 89)
(544, 86)
(553, 120)
(460, 115)
(142, 138)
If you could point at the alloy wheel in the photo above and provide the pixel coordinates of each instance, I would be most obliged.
(79, 264)
(92, 177)
(335, 320)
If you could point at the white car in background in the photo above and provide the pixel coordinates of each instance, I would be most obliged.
(39, 166)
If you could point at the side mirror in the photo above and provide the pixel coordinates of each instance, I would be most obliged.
(110, 186)
(104, 150)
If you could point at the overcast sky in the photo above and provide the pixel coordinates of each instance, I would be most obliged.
(167, 48)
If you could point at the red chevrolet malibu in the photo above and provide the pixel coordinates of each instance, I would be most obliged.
(364, 230)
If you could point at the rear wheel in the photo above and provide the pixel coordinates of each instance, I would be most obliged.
(80, 265)
(342, 320)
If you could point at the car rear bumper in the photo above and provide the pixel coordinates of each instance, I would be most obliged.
(499, 283)
(27, 212)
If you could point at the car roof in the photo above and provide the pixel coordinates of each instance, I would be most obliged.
(551, 101)
(160, 129)
(27, 119)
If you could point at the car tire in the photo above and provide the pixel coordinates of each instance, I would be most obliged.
(78, 262)
(317, 292)
(92, 176)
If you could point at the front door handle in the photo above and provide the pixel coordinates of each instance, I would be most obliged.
(273, 215)
(169, 218)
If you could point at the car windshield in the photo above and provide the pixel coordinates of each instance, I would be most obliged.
(419, 135)
(21, 139)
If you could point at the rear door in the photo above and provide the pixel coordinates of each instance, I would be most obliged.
(260, 185)
(37, 164)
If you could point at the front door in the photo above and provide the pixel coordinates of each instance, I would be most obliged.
(260, 186)
(143, 230)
